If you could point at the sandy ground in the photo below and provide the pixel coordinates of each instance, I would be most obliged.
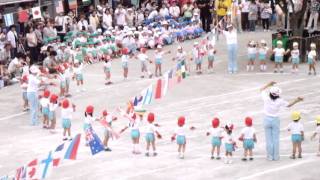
(199, 98)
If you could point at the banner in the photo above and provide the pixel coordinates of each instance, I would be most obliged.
(23, 16)
(72, 4)
(8, 19)
(59, 6)
(36, 13)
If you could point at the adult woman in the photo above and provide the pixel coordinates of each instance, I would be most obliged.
(32, 94)
(49, 31)
(32, 43)
(272, 105)
(106, 19)
(253, 15)
(94, 21)
(266, 13)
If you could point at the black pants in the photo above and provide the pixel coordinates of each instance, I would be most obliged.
(265, 24)
(34, 54)
(205, 19)
(245, 21)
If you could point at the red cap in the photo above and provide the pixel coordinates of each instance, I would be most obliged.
(53, 98)
(65, 103)
(46, 93)
(65, 65)
(150, 117)
(248, 121)
(89, 109)
(181, 121)
(104, 113)
(125, 51)
(215, 122)
(134, 116)
(25, 78)
(143, 50)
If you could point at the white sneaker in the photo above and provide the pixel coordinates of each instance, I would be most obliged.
(78, 90)
(230, 161)
(83, 89)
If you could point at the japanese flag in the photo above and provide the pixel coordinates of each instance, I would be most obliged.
(36, 13)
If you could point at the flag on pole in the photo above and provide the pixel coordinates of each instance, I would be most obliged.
(46, 166)
(58, 155)
(94, 141)
(72, 4)
(165, 83)
(23, 16)
(72, 150)
(158, 89)
(147, 95)
(36, 12)
(8, 19)
(32, 169)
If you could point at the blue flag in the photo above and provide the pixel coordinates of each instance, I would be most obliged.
(94, 141)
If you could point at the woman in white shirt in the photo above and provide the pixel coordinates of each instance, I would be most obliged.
(106, 19)
(32, 94)
(32, 43)
(94, 21)
(272, 105)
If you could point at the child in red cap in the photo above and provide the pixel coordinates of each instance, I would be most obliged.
(52, 111)
(106, 122)
(216, 132)
(88, 120)
(230, 143)
(248, 136)
(66, 116)
(150, 134)
(44, 102)
(143, 57)
(24, 86)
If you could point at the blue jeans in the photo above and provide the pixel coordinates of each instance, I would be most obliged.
(33, 101)
(232, 58)
(252, 25)
(272, 131)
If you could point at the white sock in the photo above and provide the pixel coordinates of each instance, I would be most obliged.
(265, 67)
(261, 67)
(134, 147)
(281, 69)
(248, 67)
(252, 67)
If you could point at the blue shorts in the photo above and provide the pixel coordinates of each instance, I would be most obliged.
(198, 61)
(278, 59)
(67, 81)
(210, 58)
(24, 96)
(158, 61)
(310, 61)
(296, 138)
(45, 111)
(150, 137)
(79, 77)
(107, 70)
(181, 140)
(216, 141)
(66, 123)
(229, 147)
(124, 64)
(62, 85)
(248, 144)
(295, 60)
(252, 57)
(51, 115)
(262, 57)
(135, 133)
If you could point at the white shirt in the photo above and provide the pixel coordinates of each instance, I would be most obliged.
(13, 65)
(295, 53)
(107, 20)
(211, 52)
(228, 138)
(245, 6)
(134, 125)
(124, 58)
(263, 50)
(89, 119)
(231, 37)
(181, 56)
(11, 37)
(278, 51)
(216, 132)
(164, 12)
(82, 23)
(153, 14)
(78, 70)
(120, 16)
(252, 50)
(295, 127)
(142, 57)
(312, 54)
(159, 55)
(53, 107)
(44, 102)
(107, 65)
(66, 113)
(248, 132)
(174, 11)
(180, 131)
(151, 128)
(272, 108)
(33, 83)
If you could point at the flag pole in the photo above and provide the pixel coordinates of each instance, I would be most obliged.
(39, 1)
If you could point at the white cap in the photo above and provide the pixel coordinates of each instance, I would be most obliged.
(76, 61)
(159, 46)
(313, 45)
(195, 43)
(263, 41)
(276, 91)
(179, 47)
(295, 44)
(34, 69)
(279, 42)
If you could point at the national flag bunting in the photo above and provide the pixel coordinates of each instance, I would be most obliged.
(165, 84)
(158, 89)
(72, 4)
(32, 169)
(147, 97)
(94, 141)
(8, 19)
(36, 12)
(72, 150)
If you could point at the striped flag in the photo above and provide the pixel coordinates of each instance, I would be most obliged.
(8, 19)
(32, 169)
(59, 6)
(72, 150)
(165, 84)
(170, 78)
(158, 89)
(72, 4)
(147, 95)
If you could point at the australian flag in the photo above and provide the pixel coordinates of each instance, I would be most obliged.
(94, 141)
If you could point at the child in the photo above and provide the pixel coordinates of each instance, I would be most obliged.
(295, 57)
(106, 121)
(252, 53)
(143, 59)
(62, 80)
(158, 59)
(180, 136)
(107, 70)
(66, 116)
(248, 136)
(181, 58)
(211, 53)
(67, 75)
(89, 118)
(197, 56)
(279, 52)
(52, 111)
(44, 102)
(150, 134)
(229, 143)
(24, 86)
(263, 50)
(312, 55)
(216, 133)
(317, 132)
(124, 60)
(297, 134)
(78, 75)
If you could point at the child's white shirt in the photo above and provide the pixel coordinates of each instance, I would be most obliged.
(295, 53)
(211, 52)
(295, 127)
(252, 50)
(134, 125)
(78, 70)
(159, 55)
(278, 51)
(67, 73)
(53, 107)
(62, 77)
(181, 56)
(44, 102)
(263, 50)
(66, 113)
(124, 58)
(312, 54)
(195, 53)
(180, 131)
(151, 128)
(142, 57)
(216, 132)
(248, 132)
(89, 119)
(228, 138)
(107, 64)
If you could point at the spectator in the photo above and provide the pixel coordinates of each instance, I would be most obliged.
(236, 15)
(130, 17)
(32, 44)
(314, 14)
(245, 15)
(153, 13)
(232, 43)
(50, 62)
(94, 21)
(164, 11)
(266, 13)
(3, 37)
(5, 57)
(187, 10)
(106, 19)
(120, 16)
(253, 15)
(83, 23)
(174, 10)
(280, 16)
(15, 65)
(12, 37)
(204, 14)
(49, 31)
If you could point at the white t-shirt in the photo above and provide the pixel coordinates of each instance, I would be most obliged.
(174, 11)
(142, 57)
(134, 125)
(13, 65)
(211, 52)
(89, 119)
(120, 15)
(248, 132)
(53, 107)
(66, 113)
(181, 56)
(180, 131)
(278, 51)
(107, 64)
(295, 127)
(272, 108)
(231, 37)
(159, 55)
(216, 132)
(124, 58)
(78, 70)
(151, 128)
(295, 53)
(312, 54)
(164, 12)
(263, 50)
(228, 138)
(33, 83)
(44, 102)
(252, 50)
